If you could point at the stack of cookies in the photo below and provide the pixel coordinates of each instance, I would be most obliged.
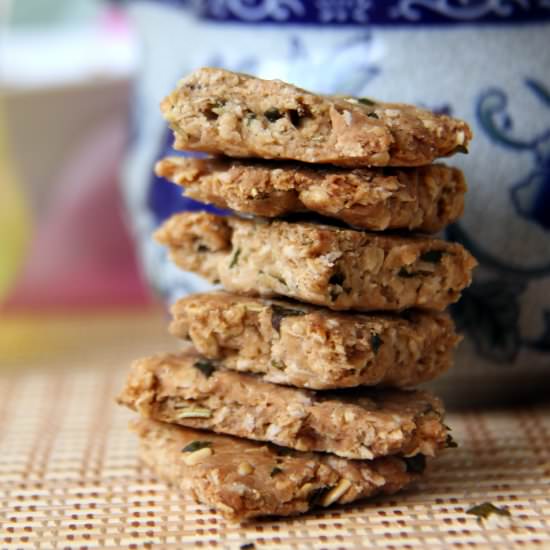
(293, 389)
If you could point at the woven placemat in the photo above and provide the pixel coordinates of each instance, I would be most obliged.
(70, 478)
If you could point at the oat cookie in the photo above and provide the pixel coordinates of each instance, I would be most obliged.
(361, 423)
(319, 264)
(312, 347)
(244, 479)
(218, 111)
(425, 199)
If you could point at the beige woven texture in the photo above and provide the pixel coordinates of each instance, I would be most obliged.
(70, 476)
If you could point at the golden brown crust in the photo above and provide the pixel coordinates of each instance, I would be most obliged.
(362, 423)
(319, 264)
(244, 479)
(425, 199)
(311, 347)
(218, 111)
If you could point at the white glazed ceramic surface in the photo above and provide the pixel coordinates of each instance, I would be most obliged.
(485, 61)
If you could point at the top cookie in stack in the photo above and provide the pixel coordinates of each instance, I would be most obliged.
(327, 162)
(221, 112)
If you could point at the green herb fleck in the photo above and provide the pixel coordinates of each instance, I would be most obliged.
(205, 366)
(460, 149)
(432, 256)
(196, 446)
(375, 342)
(273, 114)
(450, 443)
(415, 464)
(336, 279)
(280, 279)
(334, 293)
(366, 101)
(295, 117)
(282, 451)
(486, 509)
(235, 258)
(373, 115)
(278, 365)
(275, 471)
(429, 409)
(278, 313)
(406, 274)
(316, 496)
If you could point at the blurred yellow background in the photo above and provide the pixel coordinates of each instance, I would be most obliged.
(70, 285)
(14, 215)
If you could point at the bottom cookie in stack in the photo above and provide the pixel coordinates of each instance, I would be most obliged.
(246, 479)
(318, 447)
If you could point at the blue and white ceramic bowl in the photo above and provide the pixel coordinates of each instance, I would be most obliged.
(487, 61)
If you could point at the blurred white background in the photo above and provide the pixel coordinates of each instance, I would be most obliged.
(66, 71)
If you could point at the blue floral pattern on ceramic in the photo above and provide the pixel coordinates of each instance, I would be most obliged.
(531, 195)
(396, 12)
(489, 311)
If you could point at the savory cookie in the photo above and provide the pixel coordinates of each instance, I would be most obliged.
(244, 479)
(425, 199)
(319, 264)
(312, 347)
(218, 111)
(358, 423)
